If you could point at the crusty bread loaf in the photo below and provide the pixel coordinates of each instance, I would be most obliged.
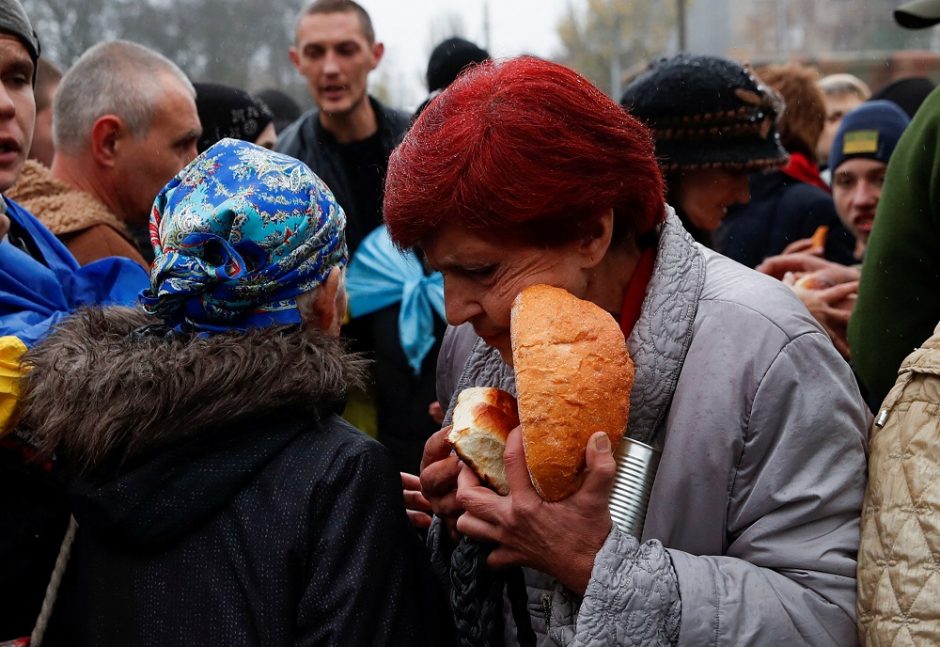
(573, 379)
(483, 418)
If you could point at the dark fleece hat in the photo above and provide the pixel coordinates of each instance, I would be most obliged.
(449, 59)
(908, 93)
(707, 112)
(14, 21)
(225, 111)
(918, 14)
(871, 131)
(285, 110)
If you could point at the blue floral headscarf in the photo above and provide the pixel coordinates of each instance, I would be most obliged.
(238, 234)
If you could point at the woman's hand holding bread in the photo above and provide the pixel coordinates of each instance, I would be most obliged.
(561, 537)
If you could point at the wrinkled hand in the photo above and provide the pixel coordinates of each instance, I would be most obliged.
(560, 538)
(804, 246)
(439, 469)
(416, 506)
(799, 264)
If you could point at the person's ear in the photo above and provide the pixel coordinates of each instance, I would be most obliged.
(294, 57)
(378, 51)
(597, 238)
(106, 135)
(329, 303)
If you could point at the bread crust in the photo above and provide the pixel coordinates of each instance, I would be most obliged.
(573, 377)
(482, 420)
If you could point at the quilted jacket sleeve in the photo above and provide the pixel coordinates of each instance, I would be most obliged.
(788, 574)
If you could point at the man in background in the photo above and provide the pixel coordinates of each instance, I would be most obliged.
(347, 140)
(125, 123)
(841, 94)
(48, 77)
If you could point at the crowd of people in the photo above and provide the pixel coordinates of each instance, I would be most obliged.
(232, 336)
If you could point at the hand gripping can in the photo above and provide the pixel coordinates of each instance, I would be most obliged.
(630, 497)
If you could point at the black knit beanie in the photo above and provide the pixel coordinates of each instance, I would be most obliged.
(707, 112)
(908, 93)
(14, 21)
(449, 59)
(282, 106)
(225, 111)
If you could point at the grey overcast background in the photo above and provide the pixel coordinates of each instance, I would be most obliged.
(410, 29)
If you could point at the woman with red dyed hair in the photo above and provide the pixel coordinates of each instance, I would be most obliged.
(522, 172)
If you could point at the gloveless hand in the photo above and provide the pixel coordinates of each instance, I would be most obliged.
(438, 480)
(560, 538)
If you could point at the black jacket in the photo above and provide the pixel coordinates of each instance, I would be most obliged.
(220, 500)
(307, 140)
(401, 398)
(782, 210)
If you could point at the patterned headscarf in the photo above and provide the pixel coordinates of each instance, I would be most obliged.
(238, 234)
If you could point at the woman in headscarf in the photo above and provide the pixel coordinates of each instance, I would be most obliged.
(522, 172)
(219, 497)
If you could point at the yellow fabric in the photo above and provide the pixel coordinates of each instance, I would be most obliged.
(899, 555)
(360, 411)
(11, 349)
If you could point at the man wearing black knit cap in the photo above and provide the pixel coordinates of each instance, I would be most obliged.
(448, 59)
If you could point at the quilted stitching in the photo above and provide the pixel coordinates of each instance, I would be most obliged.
(899, 555)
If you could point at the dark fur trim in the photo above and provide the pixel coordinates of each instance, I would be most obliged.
(96, 392)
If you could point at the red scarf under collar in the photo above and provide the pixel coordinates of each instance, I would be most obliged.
(800, 168)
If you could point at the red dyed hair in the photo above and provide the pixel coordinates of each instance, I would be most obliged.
(522, 144)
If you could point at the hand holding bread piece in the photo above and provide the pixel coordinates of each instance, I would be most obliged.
(482, 420)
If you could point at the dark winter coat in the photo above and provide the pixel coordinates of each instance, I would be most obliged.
(220, 500)
(782, 210)
(401, 397)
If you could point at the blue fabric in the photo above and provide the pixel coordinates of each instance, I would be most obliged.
(237, 235)
(381, 275)
(35, 295)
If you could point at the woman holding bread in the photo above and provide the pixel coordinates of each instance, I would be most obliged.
(523, 173)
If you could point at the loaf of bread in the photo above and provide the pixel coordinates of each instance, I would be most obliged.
(483, 418)
(573, 379)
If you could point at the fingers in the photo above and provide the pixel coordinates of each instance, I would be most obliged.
(777, 266)
(520, 484)
(601, 467)
(477, 499)
(477, 528)
(436, 411)
(419, 520)
(415, 501)
(436, 448)
(802, 245)
(838, 293)
(410, 481)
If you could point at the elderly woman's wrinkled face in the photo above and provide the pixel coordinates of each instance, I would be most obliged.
(705, 195)
(483, 274)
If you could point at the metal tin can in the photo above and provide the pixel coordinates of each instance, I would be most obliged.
(630, 497)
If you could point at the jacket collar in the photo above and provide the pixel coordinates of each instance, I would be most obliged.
(120, 395)
(60, 207)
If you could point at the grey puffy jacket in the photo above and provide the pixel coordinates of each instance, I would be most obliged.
(753, 525)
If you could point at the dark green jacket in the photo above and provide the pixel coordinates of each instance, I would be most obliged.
(899, 296)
